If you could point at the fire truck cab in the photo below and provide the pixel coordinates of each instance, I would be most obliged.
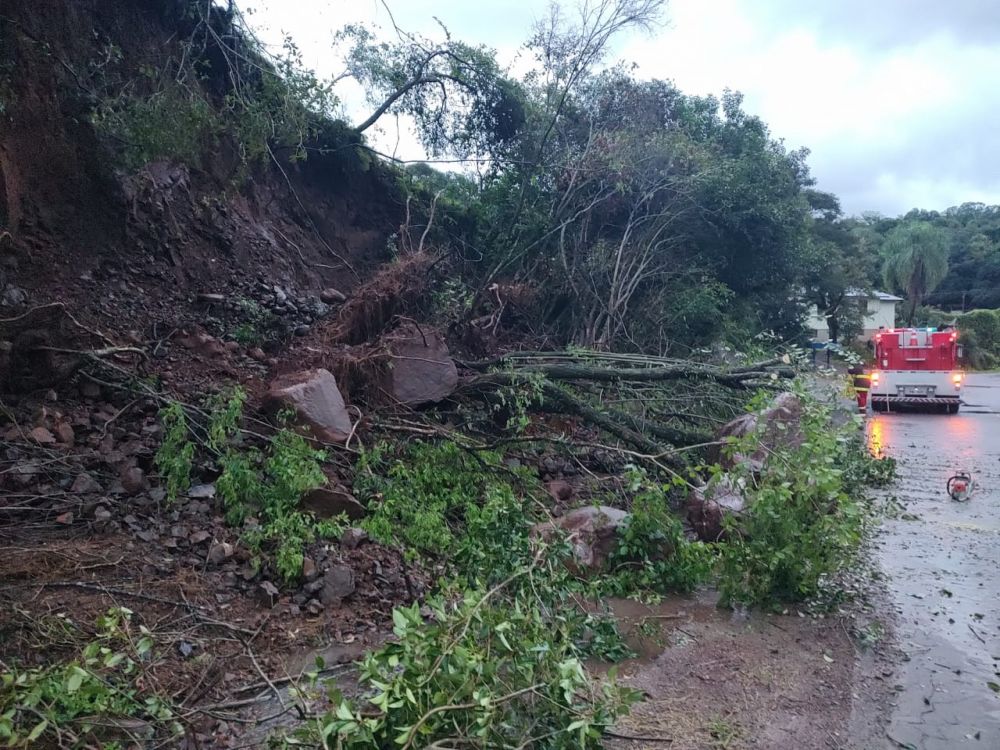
(916, 368)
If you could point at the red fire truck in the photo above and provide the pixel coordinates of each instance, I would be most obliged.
(916, 368)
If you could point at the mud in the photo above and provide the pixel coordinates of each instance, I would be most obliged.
(942, 559)
(717, 679)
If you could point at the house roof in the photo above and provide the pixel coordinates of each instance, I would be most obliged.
(875, 294)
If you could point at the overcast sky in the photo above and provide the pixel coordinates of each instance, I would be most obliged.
(896, 99)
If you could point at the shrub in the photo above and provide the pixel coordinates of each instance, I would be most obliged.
(805, 515)
(653, 555)
(75, 703)
(483, 671)
(176, 452)
(262, 486)
(443, 501)
(174, 123)
(980, 338)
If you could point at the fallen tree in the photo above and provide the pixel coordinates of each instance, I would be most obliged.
(557, 383)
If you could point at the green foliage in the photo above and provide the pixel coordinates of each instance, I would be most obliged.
(71, 704)
(452, 301)
(653, 555)
(176, 452)
(980, 337)
(260, 489)
(495, 538)
(929, 317)
(972, 231)
(916, 260)
(269, 488)
(174, 122)
(805, 515)
(258, 325)
(602, 639)
(441, 500)
(483, 670)
(283, 108)
(513, 402)
(172, 111)
(454, 91)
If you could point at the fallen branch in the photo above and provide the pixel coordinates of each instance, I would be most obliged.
(673, 435)
(95, 353)
(196, 610)
(558, 400)
(581, 367)
(650, 374)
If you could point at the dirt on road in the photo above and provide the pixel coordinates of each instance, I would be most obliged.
(916, 666)
(721, 679)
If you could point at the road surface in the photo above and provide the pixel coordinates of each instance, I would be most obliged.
(943, 562)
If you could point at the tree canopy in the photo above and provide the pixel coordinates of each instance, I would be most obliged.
(916, 260)
(640, 217)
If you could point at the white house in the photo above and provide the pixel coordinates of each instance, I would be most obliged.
(879, 309)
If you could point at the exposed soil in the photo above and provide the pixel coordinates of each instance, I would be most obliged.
(717, 679)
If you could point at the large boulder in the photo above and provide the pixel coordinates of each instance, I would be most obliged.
(420, 369)
(776, 427)
(329, 502)
(709, 506)
(316, 401)
(592, 531)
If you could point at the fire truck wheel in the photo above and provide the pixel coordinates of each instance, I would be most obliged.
(880, 406)
(952, 408)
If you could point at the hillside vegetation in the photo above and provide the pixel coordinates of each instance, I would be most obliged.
(266, 389)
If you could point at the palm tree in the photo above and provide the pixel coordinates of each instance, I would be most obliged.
(916, 261)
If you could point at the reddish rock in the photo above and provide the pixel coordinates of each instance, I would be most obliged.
(314, 397)
(202, 343)
(709, 506)
(592, 531)
(338, 584)
(89, 389)
(267, 594)
(559, 490)
(24, 474)
(201, 492)
(332, 296)
(65, 519)
(353, 537)
(420, 370)
(219, 552)
(309, 571)
(84, 484)
(42, 436)
(776, 427)
(327, 502)
(198, 537)
(65, 434)
(133, 480)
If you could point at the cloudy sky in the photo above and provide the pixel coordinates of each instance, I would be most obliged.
(896, 99)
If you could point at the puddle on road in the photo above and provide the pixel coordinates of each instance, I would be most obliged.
(650, 629)
(943, 562)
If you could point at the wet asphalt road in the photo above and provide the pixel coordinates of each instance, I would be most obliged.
(943, 562)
